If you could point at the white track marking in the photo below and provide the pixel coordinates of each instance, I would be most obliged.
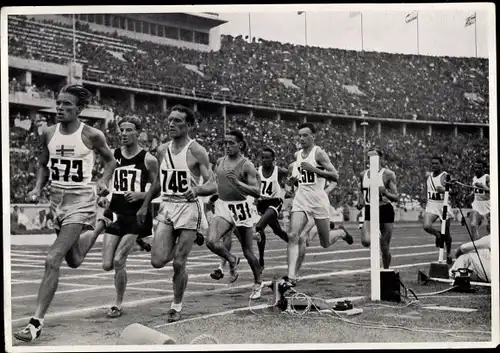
(284, 266)
(189, 294)
(209, 284)
(145, 289)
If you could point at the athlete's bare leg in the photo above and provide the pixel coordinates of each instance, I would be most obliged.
(162, 250)
(115, 252)
(329, 237)
(385, 242)
(429, 219)
(245, 236)
(475, 223)
(218, 227)
(66, 238)
(298, 221)
(303, 240)
(183, 249)
(86, 241)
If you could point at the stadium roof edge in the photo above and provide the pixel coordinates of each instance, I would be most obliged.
(213, 19)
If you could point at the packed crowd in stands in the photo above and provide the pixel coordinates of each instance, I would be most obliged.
(328, 80)
(275, 74)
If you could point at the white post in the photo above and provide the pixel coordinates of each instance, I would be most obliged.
(444, 217)
(374, 226)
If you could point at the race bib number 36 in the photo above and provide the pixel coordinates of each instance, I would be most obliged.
(306, 177)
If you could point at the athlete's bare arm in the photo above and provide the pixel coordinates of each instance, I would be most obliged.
(252, 185)
(330, 187)
(361, 197)
(390, 191)
(100, 146)
(209, 187)
(485, 186)
(330, 173)
(151, 164)
(282, 174)
(42, 176)
(443, 180)
(154, 190)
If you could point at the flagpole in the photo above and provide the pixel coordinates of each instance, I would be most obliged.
(475, 32)
(362, 45)
(418, 49)
(249, 29)
(305, 27)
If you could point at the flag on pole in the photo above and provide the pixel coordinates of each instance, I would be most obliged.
(411, 16)
(300, 12)
(354, 14)
(470, 20)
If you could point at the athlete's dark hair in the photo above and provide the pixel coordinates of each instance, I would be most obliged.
(81, 93)
(482, 162)
(239, 137)
(308, 125)
(270, 150)
(133, 120)
(437, 158)
(379, 152)
(183, 109)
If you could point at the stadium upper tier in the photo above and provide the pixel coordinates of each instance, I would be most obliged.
(312, 78)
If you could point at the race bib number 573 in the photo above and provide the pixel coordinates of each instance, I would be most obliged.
(66, 170)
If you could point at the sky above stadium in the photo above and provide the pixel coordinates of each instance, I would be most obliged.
(441, 31)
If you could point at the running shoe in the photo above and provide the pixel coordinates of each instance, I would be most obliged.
(232, 271)
(114, 311)
(256, 291)
(173, 315)
(144, 245)
(217, 274)
(348, 237)
(199, 239)
(30, 332)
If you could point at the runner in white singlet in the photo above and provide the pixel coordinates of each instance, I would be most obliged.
(67, 160)
(481, 193)
(184, 177)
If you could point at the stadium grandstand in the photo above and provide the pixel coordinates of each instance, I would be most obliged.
(143, 64)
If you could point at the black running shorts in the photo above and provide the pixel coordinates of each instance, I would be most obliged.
(386, 213)
(129, 225)
(264, 204)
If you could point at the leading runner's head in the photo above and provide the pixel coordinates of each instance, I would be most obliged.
(267, 156)
(130, 128)
(480, 167)
(180, 120)
(437, 164)
(71, 101)
(307, 132)
(235, 143)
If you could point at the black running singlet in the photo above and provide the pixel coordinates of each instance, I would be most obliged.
(130, 175)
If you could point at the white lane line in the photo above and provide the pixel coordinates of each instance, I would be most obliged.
(346, 251)
(150, 289)
(169, 268)
(190, 294)
(209, 284)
